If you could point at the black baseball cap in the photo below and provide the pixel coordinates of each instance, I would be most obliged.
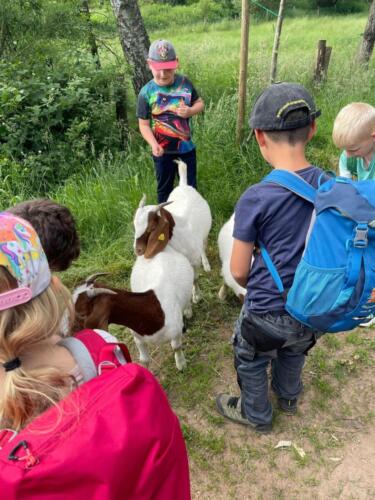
(272, 107)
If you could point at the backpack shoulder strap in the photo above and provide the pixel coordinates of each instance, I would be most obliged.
(293, 182)
(92, 352)
(103, 348)
(82, 355)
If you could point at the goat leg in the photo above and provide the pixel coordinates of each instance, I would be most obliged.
(179, 356)
(144, 356)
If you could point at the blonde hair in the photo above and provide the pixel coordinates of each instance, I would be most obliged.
(28, 392)
(354, 124)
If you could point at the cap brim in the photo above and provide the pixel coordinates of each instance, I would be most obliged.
(163, 64)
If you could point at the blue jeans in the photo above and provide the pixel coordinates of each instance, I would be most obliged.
(289, 341)
(166, 170)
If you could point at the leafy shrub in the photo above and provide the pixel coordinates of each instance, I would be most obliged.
(52, 122)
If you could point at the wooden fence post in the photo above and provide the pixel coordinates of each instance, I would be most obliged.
(322, 61)
(244, 51)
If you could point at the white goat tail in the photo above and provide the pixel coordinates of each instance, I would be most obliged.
(182, 171)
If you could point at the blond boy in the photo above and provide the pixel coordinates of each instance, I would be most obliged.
(354, 132)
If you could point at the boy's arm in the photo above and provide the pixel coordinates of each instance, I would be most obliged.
(240, 261)
(187, 111)
(343, 168)
(148, 136)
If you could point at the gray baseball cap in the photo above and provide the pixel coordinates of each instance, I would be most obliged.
(272, 107)
(162, 55)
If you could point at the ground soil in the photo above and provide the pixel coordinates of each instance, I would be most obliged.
(339, 442)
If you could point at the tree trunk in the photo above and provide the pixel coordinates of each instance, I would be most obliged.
(276, 42)
(134, 40)
(91, 35)
(368, 41)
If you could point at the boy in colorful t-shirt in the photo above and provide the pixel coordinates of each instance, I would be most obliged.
(165, 105)
(354, 132)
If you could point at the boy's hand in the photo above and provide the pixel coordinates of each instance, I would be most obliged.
(183, 111)
(157, 150)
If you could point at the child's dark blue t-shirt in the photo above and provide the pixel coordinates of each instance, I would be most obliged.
(280, 219)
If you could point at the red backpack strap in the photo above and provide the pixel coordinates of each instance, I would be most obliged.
(104, 354)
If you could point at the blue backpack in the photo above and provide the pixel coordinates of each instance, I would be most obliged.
(334, 285)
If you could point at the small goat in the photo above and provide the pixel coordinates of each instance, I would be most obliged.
(170, 276)
(186, 222)
(98, 305)
(225, 243)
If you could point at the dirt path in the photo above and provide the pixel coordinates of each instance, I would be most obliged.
(354, 477)
(337, 437)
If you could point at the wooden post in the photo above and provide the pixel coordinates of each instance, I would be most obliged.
(322, 61)
(276, 42)
(244, 51)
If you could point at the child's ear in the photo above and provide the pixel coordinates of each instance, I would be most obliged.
(260, 137)
(312, 130)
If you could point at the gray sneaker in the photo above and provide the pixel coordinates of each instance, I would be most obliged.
(230, 407)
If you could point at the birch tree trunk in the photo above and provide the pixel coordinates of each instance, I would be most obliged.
(368, 40)
(134, 40)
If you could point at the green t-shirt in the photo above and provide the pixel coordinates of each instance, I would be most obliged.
(356, 167)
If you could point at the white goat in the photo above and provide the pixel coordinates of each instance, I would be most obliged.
(191, 206)
(225, 243)
(187, 222)
(170, 276)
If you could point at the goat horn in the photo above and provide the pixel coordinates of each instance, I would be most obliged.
(91, 279)
(161, 205)
(94, 292)
(143, 201)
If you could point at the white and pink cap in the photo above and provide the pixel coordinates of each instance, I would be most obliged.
(162, 55)
(21, 253)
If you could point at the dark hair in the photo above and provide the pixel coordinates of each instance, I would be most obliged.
(293, 136)
(56, 229)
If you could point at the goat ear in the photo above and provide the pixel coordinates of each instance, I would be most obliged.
(158, 238)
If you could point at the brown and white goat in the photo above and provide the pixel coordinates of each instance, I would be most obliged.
(98, 305)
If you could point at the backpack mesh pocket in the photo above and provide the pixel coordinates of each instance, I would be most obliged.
(317, 290)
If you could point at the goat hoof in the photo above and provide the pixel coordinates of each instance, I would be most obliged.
(188, 313)
(222, 294)
(180, 361)
(181, 366)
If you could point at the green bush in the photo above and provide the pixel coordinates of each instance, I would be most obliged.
(52, 122)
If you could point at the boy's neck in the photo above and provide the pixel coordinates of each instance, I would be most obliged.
(292, 159)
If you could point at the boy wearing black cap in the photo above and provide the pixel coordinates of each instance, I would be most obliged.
(165, 105)
(283, 119)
